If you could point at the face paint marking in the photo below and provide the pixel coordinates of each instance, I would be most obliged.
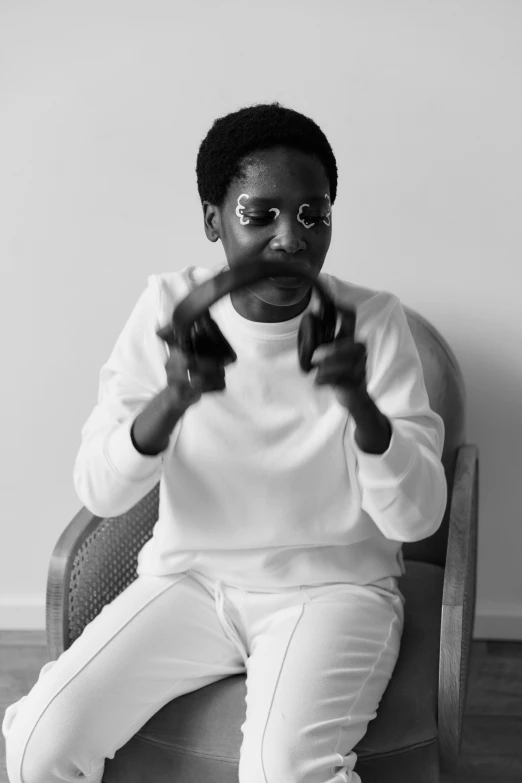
(276, 210)
(329, 213)
(241, 208)
(306, 225)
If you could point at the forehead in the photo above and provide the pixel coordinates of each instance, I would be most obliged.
(280, 174)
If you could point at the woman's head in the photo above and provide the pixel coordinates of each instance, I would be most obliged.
(234, 139)
(267, 178)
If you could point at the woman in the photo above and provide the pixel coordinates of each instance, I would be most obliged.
(285, 494)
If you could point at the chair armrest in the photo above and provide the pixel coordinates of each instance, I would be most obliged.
(59, 578)
(458, 606)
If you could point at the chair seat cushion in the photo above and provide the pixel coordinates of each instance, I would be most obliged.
(407, 714)
(207, 722)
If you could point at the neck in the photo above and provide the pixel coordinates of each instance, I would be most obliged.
(254, 309)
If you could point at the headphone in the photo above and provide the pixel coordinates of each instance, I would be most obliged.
(194, 332)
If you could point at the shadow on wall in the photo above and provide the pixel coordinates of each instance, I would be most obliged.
(494, 423)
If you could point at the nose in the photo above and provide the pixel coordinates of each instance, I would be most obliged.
(289, 236)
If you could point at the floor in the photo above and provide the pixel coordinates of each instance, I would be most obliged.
(492, 736)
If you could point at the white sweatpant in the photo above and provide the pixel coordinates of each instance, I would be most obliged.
(317, 660)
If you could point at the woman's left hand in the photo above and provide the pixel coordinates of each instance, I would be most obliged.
(342, 363)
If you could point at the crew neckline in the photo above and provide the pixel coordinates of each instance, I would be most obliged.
(263, 330)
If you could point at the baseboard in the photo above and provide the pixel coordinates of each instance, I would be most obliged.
(23, 612)
(498, 621)
(492, 620)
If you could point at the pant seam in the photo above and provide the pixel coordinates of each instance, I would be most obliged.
(53, 697)
(275, 690)
(395, 619)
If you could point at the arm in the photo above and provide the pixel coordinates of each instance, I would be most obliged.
(403, 487)
(372, 429)
(151, 430)
(110, 474)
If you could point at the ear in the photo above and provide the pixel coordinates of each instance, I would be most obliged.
(212, 221)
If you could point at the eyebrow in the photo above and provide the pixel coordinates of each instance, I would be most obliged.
(262, 201)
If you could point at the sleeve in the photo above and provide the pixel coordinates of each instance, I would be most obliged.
(110, 475)
(404, 489)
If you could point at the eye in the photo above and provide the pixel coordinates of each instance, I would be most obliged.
(259, 218)
(309, 221)
(315, 219)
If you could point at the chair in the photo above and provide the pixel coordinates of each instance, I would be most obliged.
(416, 733)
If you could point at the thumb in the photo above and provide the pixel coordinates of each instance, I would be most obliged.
(166, 333)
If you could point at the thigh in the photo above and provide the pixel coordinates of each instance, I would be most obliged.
(158, 639)
(318, 668)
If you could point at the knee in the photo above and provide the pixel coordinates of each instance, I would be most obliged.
(33, 762)
(29, 760)
(37, 753)
(302, 763)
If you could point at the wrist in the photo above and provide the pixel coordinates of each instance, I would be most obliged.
(152, 428)
(373, 430)
(171, 404)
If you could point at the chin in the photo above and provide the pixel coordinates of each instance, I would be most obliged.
(283, 296)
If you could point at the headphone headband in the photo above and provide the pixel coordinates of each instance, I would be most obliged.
(225, 282)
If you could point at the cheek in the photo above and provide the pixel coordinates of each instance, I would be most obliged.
(240, 237)
(326, 242)
(321, 236)
(321, 243)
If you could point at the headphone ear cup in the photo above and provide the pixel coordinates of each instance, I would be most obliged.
(206, 339)
(310, 336)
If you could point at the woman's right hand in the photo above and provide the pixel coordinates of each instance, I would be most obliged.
(206, 375)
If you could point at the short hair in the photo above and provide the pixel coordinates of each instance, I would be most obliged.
(236, 136)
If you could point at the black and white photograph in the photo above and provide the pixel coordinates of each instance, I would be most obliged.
(261, 391)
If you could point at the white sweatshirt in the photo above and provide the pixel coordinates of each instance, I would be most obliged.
(263, 485)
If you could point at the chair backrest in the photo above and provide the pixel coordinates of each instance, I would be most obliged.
(447, 396)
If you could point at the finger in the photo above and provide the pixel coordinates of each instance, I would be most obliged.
(337, 379)
(339, 369)
(166, 333)
(346, 382)
(323, 352)
(333, 352)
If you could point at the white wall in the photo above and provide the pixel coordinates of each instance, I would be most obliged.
(103, 106)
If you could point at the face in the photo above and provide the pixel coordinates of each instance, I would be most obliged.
(278, 210)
